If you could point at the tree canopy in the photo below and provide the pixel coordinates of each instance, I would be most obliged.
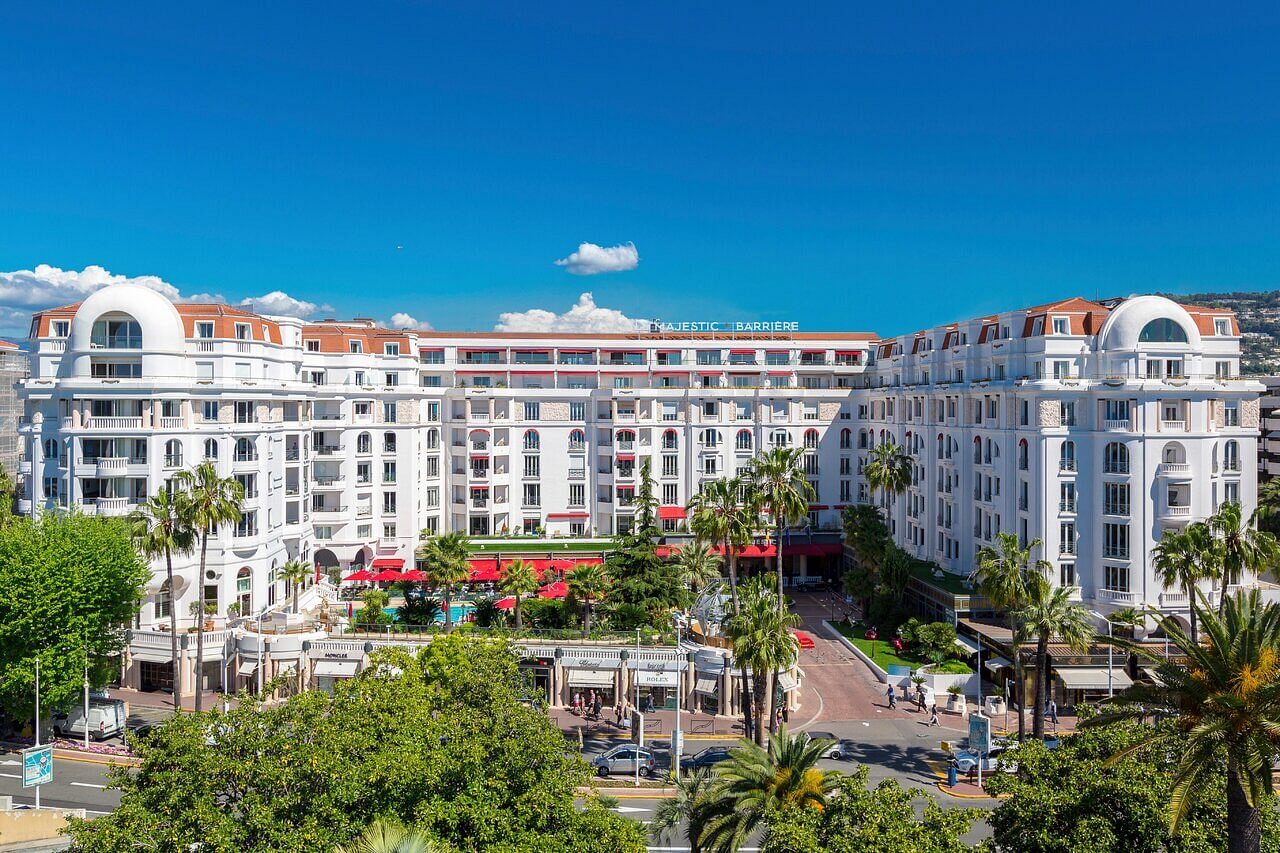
(443, 742)
(68, 583)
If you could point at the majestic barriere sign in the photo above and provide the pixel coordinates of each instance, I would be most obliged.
(659, 327)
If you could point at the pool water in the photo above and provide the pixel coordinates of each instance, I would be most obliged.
(457, 611)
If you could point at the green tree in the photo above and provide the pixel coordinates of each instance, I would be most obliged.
(698, 564)
(778, 477)
(717, 514)
(442, 741)
(1049, 612)
(867, 535)
(1226, 698)
(7, 496)
(895, 573)
(1007, 576)
(646, 504)
(374, 611)
(1243, 549)
(385, 836)
(296, 573)
(1267, 515)
(859, 819)
(756, 783)
(587, 583)
(69, 587)
(686, 811)
(638, 576)
(519, 579)
(762, 641)
(161, 527)
(888, 470)
(211, 502)
(444, 560)
(1183, 558)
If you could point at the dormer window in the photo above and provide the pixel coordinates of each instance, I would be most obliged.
(391, 349)
(243, 332)
(1037, 327)
(311, 345)
(1061, 326)
(204, 330)
(355, 347)
(60, 328)
(1221, 326)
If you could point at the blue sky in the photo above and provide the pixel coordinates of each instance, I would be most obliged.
(847, 166)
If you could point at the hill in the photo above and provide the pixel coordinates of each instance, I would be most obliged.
(1259, 316)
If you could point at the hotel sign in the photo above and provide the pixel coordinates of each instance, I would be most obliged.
(735, 326)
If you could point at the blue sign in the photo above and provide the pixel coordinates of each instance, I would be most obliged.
(37, 766)
(979, 733)
(898, 670)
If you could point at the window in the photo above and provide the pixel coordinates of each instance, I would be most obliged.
(391, 349)
(164, 602)
(1231, 415)
(388, 472)
(209, 411)
(431, 496)
(779, 438)
(1067, 497)
(1068, 409)
(173, 454)
(1067, 574)
(577, 441)
(1067, 537)
(710, 409)
(389, 412)
(743, 440)
(811, 439)
(1231, 492)
(311, 345)
(711, 465)
(1115, 542)
(531, 441)
(245, 412)
(1067, 456)
(1221, 326)
(532, 466)
(1061, 326)
(532, 495)
(578, 411)
(60, 328)
(116, 334)
(364, 443)
(211, 449)
(391, 378)
(1162, 331)
(364, 473)
(1115, 498)
(1022, 455)
(670, 410)
(531, 411)
(670, 494)
(245, 451)
(1115, 578)
(846, 439)
(708, 356)
(433, 413)
(432, 382)
(388, 442)
(247, 525)
(249, 484)
(710, 438)
(670, 465)
(355, 347)
(388, 503)
(1115, 459)
(1231, 456)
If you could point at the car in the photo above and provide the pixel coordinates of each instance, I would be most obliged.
(622, 759)
(967, 760)
(708, 757)
(838, 749)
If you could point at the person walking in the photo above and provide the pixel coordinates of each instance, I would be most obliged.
(893, 698)
(617, 713)
(933, 715)
(597, 707)
(1051, 712)
(920, 699)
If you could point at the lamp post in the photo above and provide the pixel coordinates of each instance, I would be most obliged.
(38, 722)
(1111, 689)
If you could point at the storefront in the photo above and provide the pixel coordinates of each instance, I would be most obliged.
(659, 690)
(590, 673)
(327, 672)
(540, 670)
(1076, 685)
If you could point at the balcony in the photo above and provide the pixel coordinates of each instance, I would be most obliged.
(111, 466)
(113, 423)
(110, 506)
(327, 482)
(171, 423)
(1067, 506)
(1173, 599)
(1173, 426)
(1118, 596)
(326, 512)
(328, 450)
(577, 447)
(1176, 512)
(1178, 470)
(1122, 425)
(577, 473)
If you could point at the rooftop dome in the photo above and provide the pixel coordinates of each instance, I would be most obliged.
(1148, 320)
(161, 326)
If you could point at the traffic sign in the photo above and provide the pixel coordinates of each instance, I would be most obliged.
(37, 766)
(979, 733)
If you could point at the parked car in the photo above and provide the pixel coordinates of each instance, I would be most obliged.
(967, 760)
(622, 759)
(106, 719)
(708, 757)
(839, 748)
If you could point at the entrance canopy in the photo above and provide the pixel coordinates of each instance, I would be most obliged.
(1093, 678)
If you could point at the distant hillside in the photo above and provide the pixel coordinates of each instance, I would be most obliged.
(1259, 316)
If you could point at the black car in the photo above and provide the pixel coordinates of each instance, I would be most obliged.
(708, 757)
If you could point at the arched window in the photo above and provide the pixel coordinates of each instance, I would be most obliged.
(846, 439)
(52, 449)
(1174, 453)
(116, 331)
(1231, 456)
(811, 439)
(164, 601)
(1162, 331)
(244, 590)
(977, 450)
(710, 438)
(743, 440)
(211, 449)
(862, 439)
(780, 438)
(577, 440)
(1067, 456)
(626, 439)
(670, 441)
(531, 440)
(1022, 455)
(388, 442)
(173, 453)
(245, 451)
(433, 439)
(1115, 458)
(364, 443)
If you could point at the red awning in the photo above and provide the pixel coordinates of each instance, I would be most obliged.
(814, 549)
(505, 603)
(533, 373)
(386, 576)
(818, 506)
(561, 516)
(483, 570)
(780, 372)
(626, 457)
(474, 487)
(559, 589)
(742, 352)
(361, 575)
(479, 454)
(387, 563)
(710, 372)
(752, 551)
(670, 512)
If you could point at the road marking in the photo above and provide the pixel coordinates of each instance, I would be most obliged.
(89, 785)
(9, 763)
(11, 775)
(628, 809)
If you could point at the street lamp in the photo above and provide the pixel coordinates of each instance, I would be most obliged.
(1111, 689)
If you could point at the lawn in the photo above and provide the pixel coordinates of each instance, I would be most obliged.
(952, 583)
(884, 656)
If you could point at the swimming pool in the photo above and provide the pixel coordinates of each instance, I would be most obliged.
(457, 611)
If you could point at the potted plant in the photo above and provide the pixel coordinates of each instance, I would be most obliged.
(995, 702)
(233, 610)
(918, 681)
(955, 699)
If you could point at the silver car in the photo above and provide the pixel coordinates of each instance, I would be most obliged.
(622, 759)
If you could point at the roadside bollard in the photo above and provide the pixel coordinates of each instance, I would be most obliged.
(951, 775)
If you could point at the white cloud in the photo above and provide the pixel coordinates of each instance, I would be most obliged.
(47, 286)
(584, 316)
(591, 259)
(401, 320)
(279, 303)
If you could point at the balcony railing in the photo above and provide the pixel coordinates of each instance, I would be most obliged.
(1167, 468)
(113, 423)
(109, 466)
(171, 423)
(1067, 506)
(1177, 512)
(1123, 424)
(1118, 595)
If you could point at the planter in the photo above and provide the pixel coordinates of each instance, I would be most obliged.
(995, 706)
(956, 703)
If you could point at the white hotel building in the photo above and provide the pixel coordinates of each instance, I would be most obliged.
(1090, 426)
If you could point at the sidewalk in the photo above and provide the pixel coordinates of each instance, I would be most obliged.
(656, 724)
(159, 701)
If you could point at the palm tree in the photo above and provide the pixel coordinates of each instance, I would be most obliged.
(161, 527)
(698, 564)
(1267, 514)
(1049, 613)
(717, 514)
(296, 573)
(755, 782)
(1184, 558)
(778, 477)
(1226, 697)
(212, 502)
(587, 582)
(888, 469)
(1007, 576)
(518, 579)
(686, 810)
(762, 642)
(386, 836)
(1244, 549)
(445, 564)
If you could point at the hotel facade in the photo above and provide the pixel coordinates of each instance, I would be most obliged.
(1090, 426)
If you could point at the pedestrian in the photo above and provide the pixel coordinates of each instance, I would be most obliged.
(920, 699)
(933, 715)
(597, 706)
(893, 698)
(576, 703)
(1051, 711)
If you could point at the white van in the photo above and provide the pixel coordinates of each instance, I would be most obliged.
(106, 719)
